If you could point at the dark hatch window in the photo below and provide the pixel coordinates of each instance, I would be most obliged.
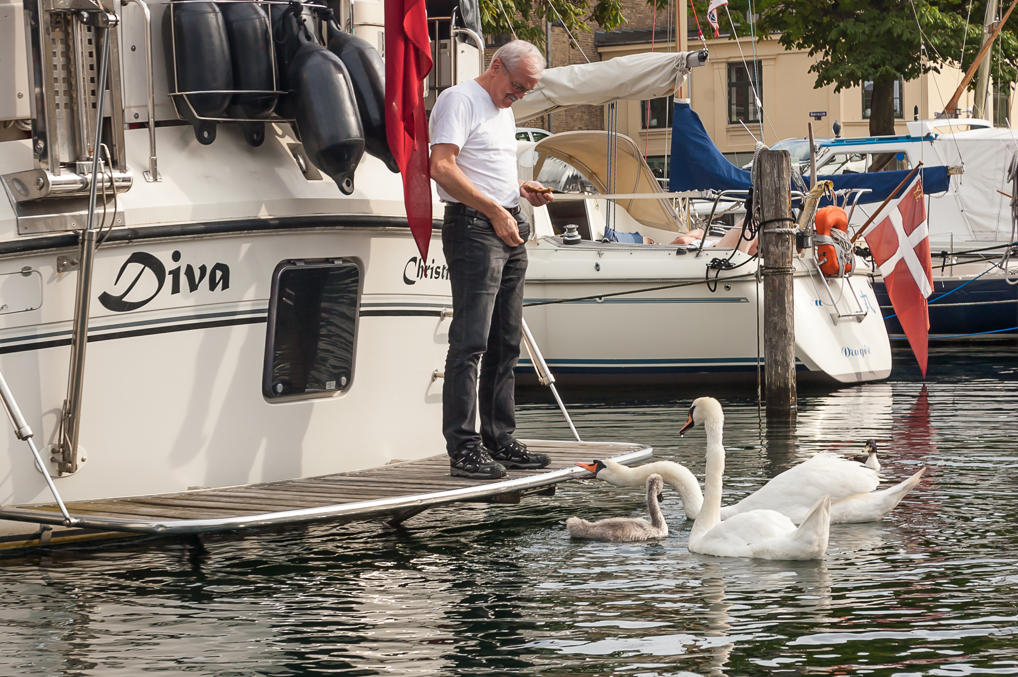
(312, 329)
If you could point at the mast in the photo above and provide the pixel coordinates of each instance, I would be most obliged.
(681, 29)
(952, 105)
(979, 106)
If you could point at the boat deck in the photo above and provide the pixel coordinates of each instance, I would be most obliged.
(396, 491)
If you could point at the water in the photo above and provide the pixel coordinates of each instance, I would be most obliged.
(473, 590)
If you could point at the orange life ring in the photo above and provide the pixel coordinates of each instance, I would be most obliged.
(833, 257)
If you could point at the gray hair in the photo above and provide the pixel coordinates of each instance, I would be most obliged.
(513, 53)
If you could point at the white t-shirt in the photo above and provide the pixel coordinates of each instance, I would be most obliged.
(465, 116)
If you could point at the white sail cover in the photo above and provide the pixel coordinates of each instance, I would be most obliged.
(636, 76)
(977, 207)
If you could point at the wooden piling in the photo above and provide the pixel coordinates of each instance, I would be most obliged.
(772, 211)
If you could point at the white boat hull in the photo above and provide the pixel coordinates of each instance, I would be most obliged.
(173, 391)
(643, 313)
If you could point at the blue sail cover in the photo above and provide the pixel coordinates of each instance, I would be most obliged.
(697, 164)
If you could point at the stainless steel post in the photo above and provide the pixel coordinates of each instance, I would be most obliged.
(70, 421)
(153, 169)
(24, 432)
(544, 374)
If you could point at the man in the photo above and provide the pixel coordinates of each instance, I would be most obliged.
(473, 161)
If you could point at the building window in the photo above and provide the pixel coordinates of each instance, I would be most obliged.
(741, 102)
(312, 327)
(656, 113)
(867, 99)
(659, 166)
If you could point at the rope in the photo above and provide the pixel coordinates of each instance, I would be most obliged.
(964, 33)
(1012, 174)
(596, 297)
(562, 21)
(752, 36)
(699, 32)
(510, 23)
(778, 219)
(962, 286)
(944, 253)
(948, 293)
(646, 121)
(975, 333)
(751, 74)
(759, 353)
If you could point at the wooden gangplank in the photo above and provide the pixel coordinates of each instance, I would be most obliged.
(396, 491)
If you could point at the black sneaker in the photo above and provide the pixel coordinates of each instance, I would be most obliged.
(474, 461)
(515, 455)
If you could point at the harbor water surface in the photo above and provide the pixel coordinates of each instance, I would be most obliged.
(473, 589)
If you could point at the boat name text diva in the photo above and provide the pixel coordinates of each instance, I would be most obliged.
(416, 269)
(147, 276)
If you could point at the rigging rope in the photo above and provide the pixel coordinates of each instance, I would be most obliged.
(646, 121)
(571, 38)
(965, 33)
(752, 36)
(508, 22)
(699, 31)
(596, 297)
(751, 74)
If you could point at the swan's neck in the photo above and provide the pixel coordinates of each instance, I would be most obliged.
(685, 483)
(657, 517)
(710, 513)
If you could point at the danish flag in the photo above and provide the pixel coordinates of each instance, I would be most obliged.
(712, 14)
(900, 245)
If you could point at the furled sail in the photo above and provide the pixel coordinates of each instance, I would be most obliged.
(636, 76)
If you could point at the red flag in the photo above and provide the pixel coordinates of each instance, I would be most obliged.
(901, 249)
(712, 14)
(407, 63)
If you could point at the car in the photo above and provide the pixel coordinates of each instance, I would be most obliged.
(531, 133)
(798, 149)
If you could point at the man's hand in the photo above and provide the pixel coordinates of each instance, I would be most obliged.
(505, 227)
(535, 193)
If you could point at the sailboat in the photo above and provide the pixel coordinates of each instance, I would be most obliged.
(610, 298)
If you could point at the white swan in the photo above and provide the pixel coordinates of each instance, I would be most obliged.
(674, 474)
(625, 529)
(850, 486)
(765, 534)
(869, 459)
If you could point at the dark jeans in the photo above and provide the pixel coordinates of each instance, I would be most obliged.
(487, 303)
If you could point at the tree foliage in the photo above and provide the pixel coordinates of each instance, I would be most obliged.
(527, 18)
(854, 41)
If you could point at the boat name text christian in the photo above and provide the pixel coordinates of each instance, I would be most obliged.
(416, 269)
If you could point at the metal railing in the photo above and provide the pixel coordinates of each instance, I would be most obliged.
(24, 432)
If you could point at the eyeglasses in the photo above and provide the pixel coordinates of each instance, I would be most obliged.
(517, 87)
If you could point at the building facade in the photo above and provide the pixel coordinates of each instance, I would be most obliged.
(725, 92)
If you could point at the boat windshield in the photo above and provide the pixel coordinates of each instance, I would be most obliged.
(856, 162)
(563, 177)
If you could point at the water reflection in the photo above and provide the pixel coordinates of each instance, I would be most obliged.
(472, 589)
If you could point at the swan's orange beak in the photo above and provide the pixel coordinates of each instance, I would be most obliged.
(589, 467)
(689, 424)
